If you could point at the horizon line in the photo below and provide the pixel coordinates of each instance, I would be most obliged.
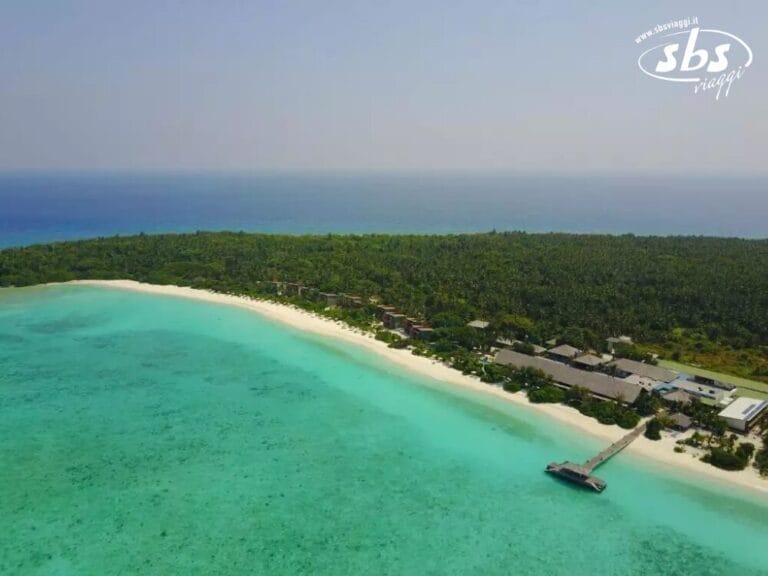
(377, 172)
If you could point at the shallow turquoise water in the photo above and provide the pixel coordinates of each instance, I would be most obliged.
(152, 435)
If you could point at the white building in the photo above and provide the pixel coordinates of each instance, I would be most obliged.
(743, 412)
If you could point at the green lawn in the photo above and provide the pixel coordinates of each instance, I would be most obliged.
(746, 387)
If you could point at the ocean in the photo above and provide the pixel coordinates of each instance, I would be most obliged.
(145, 434)
(38, 208)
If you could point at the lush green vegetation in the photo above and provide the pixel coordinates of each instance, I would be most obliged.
(605, 412)
(725, 460)
(648, 404)
(654, 428)
(550, 394)
(684, 295)
(725, 451)
(728, 454)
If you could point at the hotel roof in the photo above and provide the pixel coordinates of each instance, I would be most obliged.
(565, 350)
(643, 369)
(678, 396)
(744, 408)
(681, 420)
(588, 360)
(598, 384)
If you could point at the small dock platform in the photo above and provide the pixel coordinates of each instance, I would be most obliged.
(581, 474)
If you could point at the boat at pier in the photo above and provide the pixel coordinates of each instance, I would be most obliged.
(581, 474)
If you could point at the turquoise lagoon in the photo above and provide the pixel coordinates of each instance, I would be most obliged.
(144, 434)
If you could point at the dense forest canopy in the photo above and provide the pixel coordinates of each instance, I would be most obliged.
(653, 288)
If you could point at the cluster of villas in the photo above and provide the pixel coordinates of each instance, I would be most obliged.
(622, 379)
(389, 316)
(605, 376)
(406, 325)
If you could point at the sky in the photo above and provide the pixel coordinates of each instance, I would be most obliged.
(386, 85)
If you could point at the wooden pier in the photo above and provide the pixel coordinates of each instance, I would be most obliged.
(582, 473)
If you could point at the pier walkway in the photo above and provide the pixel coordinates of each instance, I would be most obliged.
(614, 448)
(582, 473)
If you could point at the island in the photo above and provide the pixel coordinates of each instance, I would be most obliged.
(667, 333)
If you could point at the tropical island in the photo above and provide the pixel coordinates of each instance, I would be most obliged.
(622, 329)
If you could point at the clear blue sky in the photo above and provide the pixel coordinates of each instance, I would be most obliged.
(378, 85)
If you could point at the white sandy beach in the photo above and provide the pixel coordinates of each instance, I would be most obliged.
(660, 453)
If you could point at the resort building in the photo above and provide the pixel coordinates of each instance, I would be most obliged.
(588, 362)
(600, 385)
(329, 299)
(293, 288)
(711, 389)
(563, 353)
(308, 292)
(679, 421)
(743, 413)
(393, 320)
(680, 397)
(479, 324)
(536, 350)
(350, 300)
(648, 384)
(410, 323)
(383, 309)
(422, 332)
(624, 367)
(417, 329)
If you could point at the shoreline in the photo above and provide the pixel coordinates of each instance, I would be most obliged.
(660, 453)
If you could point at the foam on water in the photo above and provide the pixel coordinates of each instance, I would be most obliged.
(153, 435)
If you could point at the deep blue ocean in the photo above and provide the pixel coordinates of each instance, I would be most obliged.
(47, 207)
